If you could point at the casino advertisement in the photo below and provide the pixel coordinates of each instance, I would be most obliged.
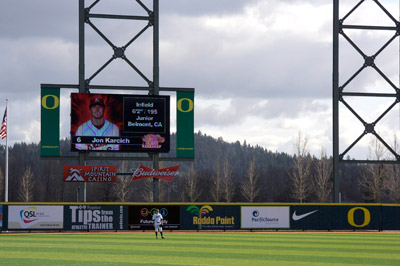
(94, 217)
(140, 217)
(119, 122)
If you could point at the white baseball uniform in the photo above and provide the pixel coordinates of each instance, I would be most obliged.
(107, 130)
(157, 218)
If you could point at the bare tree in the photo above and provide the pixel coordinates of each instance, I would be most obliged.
(300, 173)
(227, 180)
(146, 190)
(216, 179)
(191, 190)
(121, 188)
(393, 177)
(393, 183)
(373, 176)
(26, 186)
(250, 186)
(322, 182)
(165, 190)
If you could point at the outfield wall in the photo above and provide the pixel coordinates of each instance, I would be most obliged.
(202, 216)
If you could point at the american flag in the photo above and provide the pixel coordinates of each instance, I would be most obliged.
(3, 131)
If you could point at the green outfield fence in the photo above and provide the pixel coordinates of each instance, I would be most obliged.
(198, 216)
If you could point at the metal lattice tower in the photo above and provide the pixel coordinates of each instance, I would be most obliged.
(342, 95)
(119, 53)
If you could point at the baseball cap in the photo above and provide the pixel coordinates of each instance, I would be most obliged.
(96, 100)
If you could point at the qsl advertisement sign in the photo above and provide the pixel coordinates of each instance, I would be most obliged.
(94, 217)
(141, 217)
(117, 122)
(35, 217)
(265, 217)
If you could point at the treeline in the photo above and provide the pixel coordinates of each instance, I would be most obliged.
(221, 172)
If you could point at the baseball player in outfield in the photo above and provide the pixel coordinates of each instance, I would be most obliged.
(97, 126)
(158, 221)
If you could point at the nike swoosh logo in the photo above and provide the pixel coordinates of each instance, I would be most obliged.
(299, 217)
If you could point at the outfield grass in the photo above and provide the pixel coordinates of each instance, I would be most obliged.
(259, 248)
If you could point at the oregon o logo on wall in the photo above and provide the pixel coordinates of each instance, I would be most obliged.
(190, 105)
(56, 101)
(50, 122)
(367, 217)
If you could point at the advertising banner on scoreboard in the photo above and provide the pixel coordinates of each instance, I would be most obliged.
(90, 173)
(166, 174)
(94, 217)
(140, 217)
(210, 217)
(116, 122)
(50, 122)
(185, 124)
(259, 217)
(35, 217)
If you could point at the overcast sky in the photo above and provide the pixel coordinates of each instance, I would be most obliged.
(261, 69)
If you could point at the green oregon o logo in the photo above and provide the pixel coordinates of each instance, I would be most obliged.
(56, 102)
(179, 105)
(367, 216)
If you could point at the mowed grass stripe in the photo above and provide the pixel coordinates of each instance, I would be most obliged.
(365, 237)
(192, 252)
(169, 259)
(306, 237)
(329, 241)
(186, 246)
(224, 246)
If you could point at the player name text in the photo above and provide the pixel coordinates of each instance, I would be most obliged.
(111, 141)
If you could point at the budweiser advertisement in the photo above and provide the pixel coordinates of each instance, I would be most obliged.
(166, 174)
(90, 173)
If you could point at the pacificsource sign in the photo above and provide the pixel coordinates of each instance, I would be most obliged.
(257, 217)
(35, 217)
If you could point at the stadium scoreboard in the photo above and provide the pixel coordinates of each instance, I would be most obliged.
(129, 123)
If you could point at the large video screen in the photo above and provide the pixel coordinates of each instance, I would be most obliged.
(117, 122)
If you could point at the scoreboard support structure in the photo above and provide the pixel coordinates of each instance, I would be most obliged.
(84, 85)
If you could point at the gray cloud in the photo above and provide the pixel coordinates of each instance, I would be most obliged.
(38, 18)
(263, 61)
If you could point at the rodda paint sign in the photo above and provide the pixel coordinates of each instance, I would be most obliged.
(210, 217)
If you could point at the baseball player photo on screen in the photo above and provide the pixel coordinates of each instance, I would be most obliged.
(116, 122)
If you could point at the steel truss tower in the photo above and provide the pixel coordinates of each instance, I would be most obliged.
(341, 95)
(118, 52)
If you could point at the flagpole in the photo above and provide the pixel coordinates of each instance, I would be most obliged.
(6, 171)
